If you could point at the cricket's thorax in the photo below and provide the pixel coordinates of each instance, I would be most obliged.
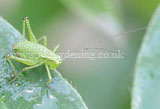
(35, 51)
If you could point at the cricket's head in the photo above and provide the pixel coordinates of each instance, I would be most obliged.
(55, 62)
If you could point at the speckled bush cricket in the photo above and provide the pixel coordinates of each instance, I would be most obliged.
(32, 53)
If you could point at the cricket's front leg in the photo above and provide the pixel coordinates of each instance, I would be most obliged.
(49, 73)
(49, 76)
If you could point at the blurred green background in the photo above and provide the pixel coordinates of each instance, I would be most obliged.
(76, 24)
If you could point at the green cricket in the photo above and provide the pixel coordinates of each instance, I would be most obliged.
(33, 54)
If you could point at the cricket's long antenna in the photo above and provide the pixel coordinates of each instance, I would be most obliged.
(114, 36)
(104, 49)
(97, 48)
(130, 31)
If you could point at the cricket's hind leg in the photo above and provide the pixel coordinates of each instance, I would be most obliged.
(23, 30)
(23, 70)
(44, 39)
(10, 62)
(31, 35)
(32, 64)
(21, 60)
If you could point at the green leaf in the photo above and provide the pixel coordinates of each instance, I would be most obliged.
(29, 90)
(146, 89)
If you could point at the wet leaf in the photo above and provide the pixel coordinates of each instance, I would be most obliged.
(29, 90)
(146, 87)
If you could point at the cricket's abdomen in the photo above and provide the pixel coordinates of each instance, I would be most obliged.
(31, 50)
